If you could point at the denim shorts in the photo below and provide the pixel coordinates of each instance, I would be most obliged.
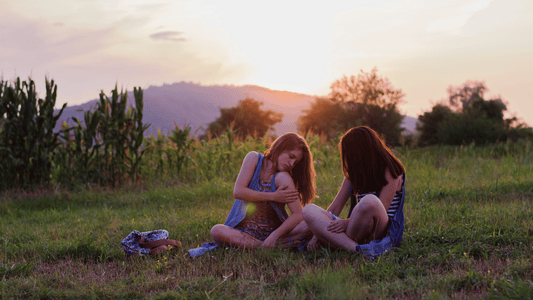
(334, 216)
(393, 238)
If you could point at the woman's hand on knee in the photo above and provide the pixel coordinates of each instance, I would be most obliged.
(338, 226)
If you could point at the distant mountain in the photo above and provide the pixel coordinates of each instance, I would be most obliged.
(196, 105)
(409, 123)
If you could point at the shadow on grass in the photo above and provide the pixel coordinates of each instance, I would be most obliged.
(86, 250)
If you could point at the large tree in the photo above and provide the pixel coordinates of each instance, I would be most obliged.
(430, 122)
(461, 97)
(366, 99)
(247, 119)
(322, 118)
(367, 89)
(468, 117)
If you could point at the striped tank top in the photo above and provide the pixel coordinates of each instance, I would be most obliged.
(395, 204)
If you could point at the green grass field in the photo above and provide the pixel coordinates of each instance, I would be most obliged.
(468, 235)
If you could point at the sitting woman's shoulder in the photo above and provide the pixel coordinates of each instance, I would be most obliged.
(251, 155)
(284, 179)
(397, 182)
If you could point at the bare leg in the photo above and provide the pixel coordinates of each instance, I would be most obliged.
(227, 236)
(317, 220)
(293, 237)
(368, 221)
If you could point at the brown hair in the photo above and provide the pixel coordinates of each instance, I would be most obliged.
(303, 174)
(365, 157)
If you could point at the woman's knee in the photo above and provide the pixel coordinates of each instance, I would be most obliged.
(369, 203)
(217, 231)
(309, 212)
(369, 219)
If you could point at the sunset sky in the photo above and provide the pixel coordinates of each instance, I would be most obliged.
(421, 46)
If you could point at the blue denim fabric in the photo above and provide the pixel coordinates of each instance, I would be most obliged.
(130, 244)
(334, 216)
(238, 211)
(378, 247)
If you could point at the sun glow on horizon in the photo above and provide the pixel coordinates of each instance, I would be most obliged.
(422, 47)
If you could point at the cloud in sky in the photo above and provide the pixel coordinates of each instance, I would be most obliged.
(84, 59)
(453, 17)
(168, 36)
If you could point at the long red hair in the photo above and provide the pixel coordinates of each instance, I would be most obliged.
(303, 174)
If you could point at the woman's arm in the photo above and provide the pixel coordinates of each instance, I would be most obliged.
(387, 192)
(338, 226)
(242, 192)
(343, 195)
(386, 196)
(284, 179)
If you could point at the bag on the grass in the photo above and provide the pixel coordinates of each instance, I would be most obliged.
(148, 243)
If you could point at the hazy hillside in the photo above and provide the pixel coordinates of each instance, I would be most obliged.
(197, 105)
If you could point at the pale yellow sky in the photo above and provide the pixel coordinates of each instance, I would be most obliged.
(301, 46)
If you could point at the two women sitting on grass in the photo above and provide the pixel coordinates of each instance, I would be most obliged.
(373, 179)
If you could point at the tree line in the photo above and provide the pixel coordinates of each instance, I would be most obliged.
(371, 100)
(467, 116)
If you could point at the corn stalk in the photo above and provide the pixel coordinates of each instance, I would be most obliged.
(27, 138)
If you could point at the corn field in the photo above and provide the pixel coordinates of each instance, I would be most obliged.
(108, 147)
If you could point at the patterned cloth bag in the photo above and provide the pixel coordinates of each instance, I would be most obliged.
(147, 243)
